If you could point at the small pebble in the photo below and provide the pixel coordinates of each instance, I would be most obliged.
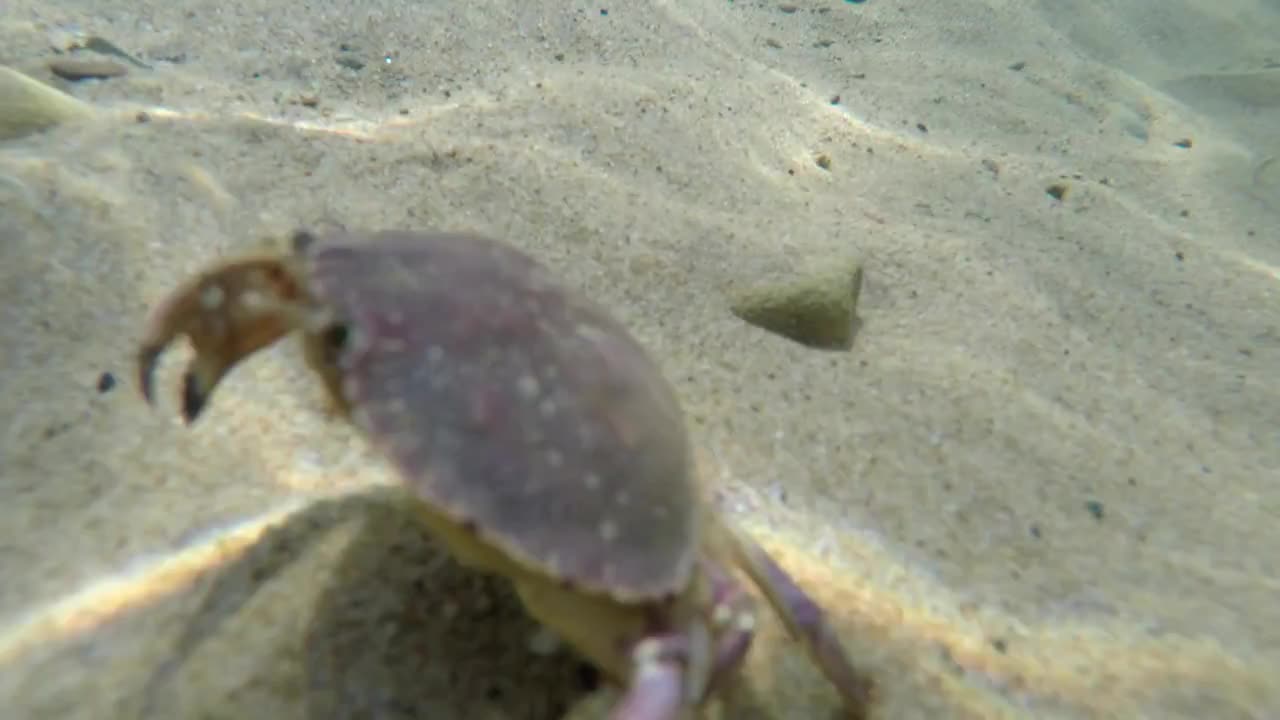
(75, 68)
(106, 382)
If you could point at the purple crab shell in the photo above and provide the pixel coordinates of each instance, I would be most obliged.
(514, 405)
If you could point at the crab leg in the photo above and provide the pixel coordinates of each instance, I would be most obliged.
(229, 312)
(804, 619)
(657, 688)
(733, 617)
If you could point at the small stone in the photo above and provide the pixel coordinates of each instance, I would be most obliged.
(106, 382)
(28, 106)
(818, 310)
(103, 46)
(75, 68)
(351, 63)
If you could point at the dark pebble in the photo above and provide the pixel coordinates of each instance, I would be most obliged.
(73, 68)
(106, 382)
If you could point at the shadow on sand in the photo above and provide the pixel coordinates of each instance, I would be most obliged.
(398, 629)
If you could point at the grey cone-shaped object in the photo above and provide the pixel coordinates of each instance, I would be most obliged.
(817, 309)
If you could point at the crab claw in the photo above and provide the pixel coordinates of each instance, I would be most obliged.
(228, 313)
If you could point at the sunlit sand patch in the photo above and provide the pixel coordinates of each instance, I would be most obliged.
(359, 129)
(342, 125)
(1255, 265)
(1065, 661)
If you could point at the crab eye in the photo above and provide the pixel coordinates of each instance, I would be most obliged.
(301, 241)
(335, 339)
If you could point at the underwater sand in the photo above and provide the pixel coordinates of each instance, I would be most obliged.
(1043, 482)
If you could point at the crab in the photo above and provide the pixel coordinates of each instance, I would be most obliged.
(539, 439)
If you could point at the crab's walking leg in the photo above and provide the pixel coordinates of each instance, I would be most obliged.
(733, 620)
(804, 619)
(657, 687)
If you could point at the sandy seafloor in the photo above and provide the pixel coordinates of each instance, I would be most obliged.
(1044, 481)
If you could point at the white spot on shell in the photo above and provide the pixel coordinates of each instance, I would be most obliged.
(623, 498)
(608, 530)
(721, 615)
(547, 408)
(746, 622)
(253, 300)
(528, 386)
(212, 297)
(592, 481)
(435, 354)
(554, 458)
